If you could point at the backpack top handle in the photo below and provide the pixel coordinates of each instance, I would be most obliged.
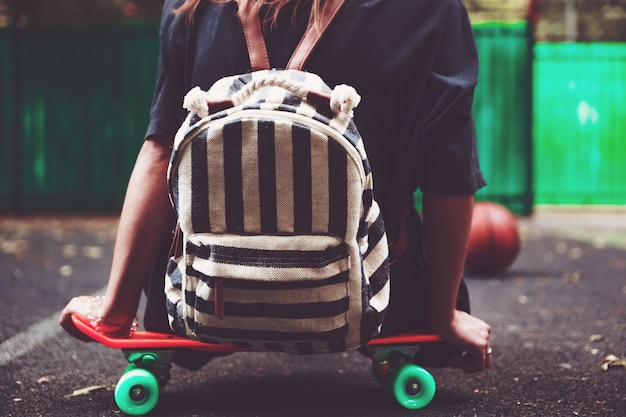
(257, 50)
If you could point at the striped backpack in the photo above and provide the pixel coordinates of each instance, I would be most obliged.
(283, 245)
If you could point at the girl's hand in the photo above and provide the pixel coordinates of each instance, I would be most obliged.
(471, 335)
(89, 310)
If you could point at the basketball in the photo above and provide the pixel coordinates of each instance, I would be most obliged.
(494, 241)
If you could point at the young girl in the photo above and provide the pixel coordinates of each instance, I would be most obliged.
(415, 65)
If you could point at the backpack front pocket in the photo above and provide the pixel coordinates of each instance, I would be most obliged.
(270, 289)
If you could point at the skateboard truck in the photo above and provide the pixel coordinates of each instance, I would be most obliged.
(158, 362)
(385, 358)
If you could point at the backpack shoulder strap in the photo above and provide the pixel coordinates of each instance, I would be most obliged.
(313, 35)
(256, 44)
(253, 33)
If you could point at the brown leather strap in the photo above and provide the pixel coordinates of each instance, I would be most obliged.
(253, 32)
(176, 247)
(256, 44)
(219, 298)
(313, 34)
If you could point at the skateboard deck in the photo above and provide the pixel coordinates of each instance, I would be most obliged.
(150, 354)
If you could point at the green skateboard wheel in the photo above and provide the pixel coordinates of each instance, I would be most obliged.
(137, 392)
(413, 386)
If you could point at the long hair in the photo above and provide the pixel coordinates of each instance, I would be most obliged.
(274, 8)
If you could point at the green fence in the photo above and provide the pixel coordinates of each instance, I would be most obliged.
(74, 106)
(82, 99)
(580, 123)
(502, 113)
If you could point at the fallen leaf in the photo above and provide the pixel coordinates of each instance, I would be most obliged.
(573, 277)
(93, 252)
(561, 248)
(597, 338)
(69, 251)
(15, 247)
(575, 253)
(43, 380)
(85, 391)
(593, 351)
(66, 271)
(612, 361)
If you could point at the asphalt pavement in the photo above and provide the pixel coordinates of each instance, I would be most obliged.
(558, 314)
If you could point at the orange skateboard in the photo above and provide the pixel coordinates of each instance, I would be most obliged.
(150, 354)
